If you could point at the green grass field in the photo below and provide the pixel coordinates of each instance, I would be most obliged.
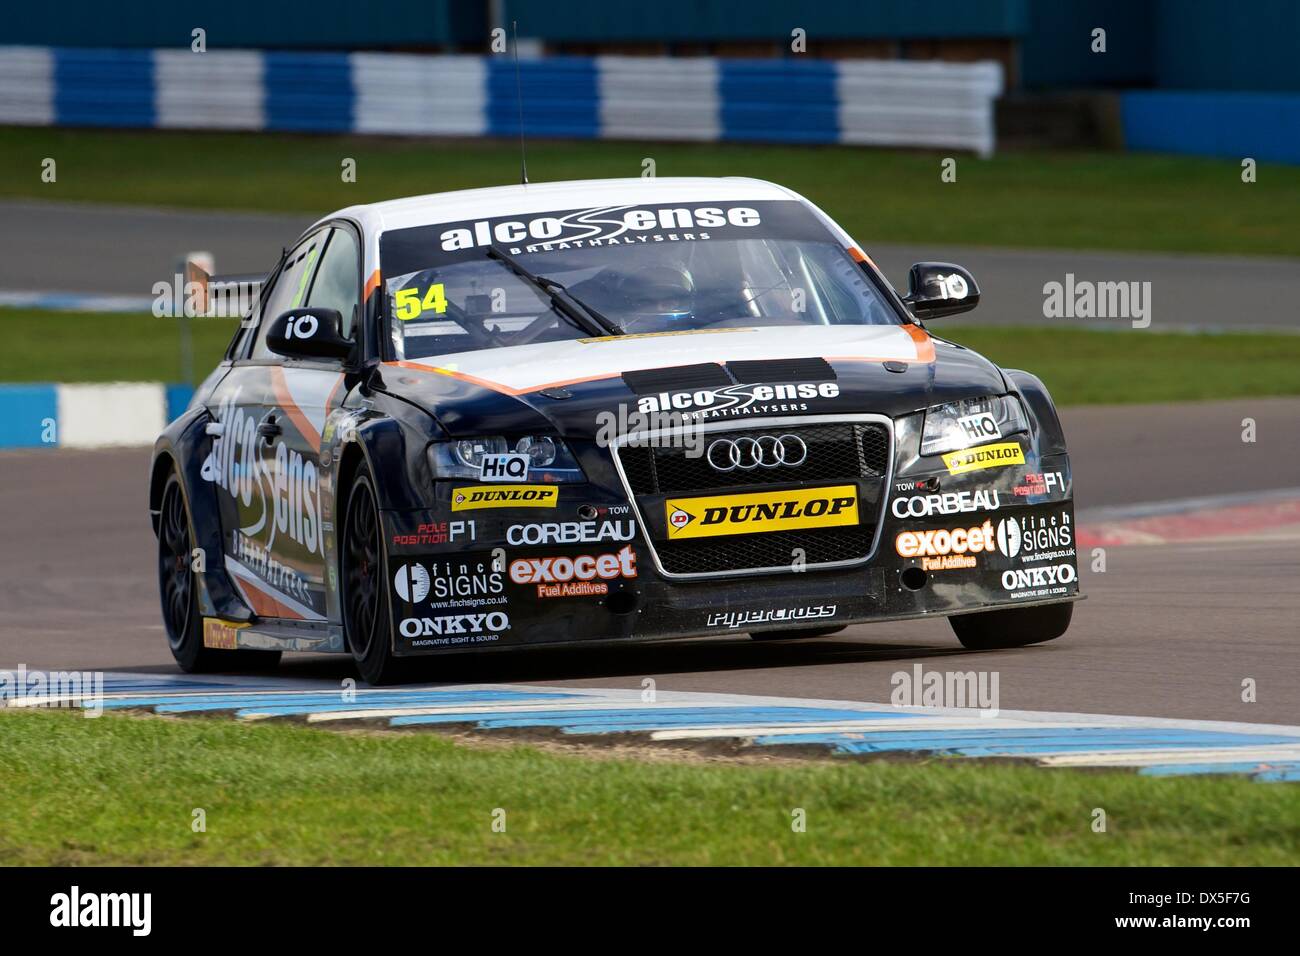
(1072, 200)
(1079, 366)
(121, 790)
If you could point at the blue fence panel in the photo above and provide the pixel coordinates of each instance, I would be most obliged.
(309, 92)
(25, 411)
(560, 97)
(103, 87)
(1264, 126)
(779, 100)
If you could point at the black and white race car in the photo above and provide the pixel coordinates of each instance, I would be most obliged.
(616, 410)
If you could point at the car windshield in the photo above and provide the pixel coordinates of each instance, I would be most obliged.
(643, 269)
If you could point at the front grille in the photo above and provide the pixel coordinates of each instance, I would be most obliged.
(839, 452)
(777, 549)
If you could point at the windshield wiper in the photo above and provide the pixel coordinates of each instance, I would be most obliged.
(560, 297)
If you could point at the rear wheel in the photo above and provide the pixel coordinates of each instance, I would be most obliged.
(179, 594)
(1012, 627)
(365, 593)
(796, 635)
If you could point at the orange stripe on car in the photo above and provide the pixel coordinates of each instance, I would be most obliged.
(497, 386)
(262, 602)
(371, 285)
(285, 400)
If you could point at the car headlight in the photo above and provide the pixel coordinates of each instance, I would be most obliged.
(973, 421)
(547, 459)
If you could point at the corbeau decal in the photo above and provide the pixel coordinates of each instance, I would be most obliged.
(986, 456)
(763, 511)
(949, 503)
(504, 496)
(571, 532)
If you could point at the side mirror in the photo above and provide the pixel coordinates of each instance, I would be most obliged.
(940, 288)
(308, 333)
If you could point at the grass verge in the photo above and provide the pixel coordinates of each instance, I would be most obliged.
(1075, 200)
(1079, 366)
(121, 790)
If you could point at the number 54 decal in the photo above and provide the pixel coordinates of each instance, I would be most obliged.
(411, 306)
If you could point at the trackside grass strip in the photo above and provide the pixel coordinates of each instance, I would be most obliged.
(1072, 200)
(122, 790)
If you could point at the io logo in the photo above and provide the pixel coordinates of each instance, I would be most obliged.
(412, 583)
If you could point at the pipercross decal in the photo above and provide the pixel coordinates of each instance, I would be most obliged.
(986, 456)
(504, 496)
(763, 511)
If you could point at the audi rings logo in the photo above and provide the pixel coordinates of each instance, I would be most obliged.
(766, 451)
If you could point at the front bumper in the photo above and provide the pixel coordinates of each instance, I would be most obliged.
(588, 566)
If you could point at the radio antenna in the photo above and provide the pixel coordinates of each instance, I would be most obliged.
(519, 98)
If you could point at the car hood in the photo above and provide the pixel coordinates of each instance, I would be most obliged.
(570, 388)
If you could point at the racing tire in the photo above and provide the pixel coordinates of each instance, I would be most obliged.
(178, 594)
(1011, 627)
(796, 635)
(366, 616)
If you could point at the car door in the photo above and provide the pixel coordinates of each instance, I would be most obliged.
(273, 411)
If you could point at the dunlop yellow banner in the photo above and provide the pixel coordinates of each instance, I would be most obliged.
(761, 511)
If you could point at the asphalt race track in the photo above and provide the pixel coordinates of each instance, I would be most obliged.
(1187, 292)
(1169, 630)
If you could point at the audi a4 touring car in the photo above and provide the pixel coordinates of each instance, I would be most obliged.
(615, 410)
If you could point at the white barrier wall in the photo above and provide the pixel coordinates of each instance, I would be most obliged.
(795, 100)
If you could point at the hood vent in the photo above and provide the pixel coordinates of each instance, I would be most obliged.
(782, 370)
(682, 378)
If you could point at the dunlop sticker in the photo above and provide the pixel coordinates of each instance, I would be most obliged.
(985, 456)
(762, 511)
(504, 496)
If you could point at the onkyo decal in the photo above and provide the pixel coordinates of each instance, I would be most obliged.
(1025, 578)
(492, 622)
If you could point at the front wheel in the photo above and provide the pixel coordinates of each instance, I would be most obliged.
(365, 592)
(1012, 627)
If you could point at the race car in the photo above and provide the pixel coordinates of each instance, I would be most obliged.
(603, 411)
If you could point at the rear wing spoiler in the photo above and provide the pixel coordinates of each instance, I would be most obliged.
(220, 296)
